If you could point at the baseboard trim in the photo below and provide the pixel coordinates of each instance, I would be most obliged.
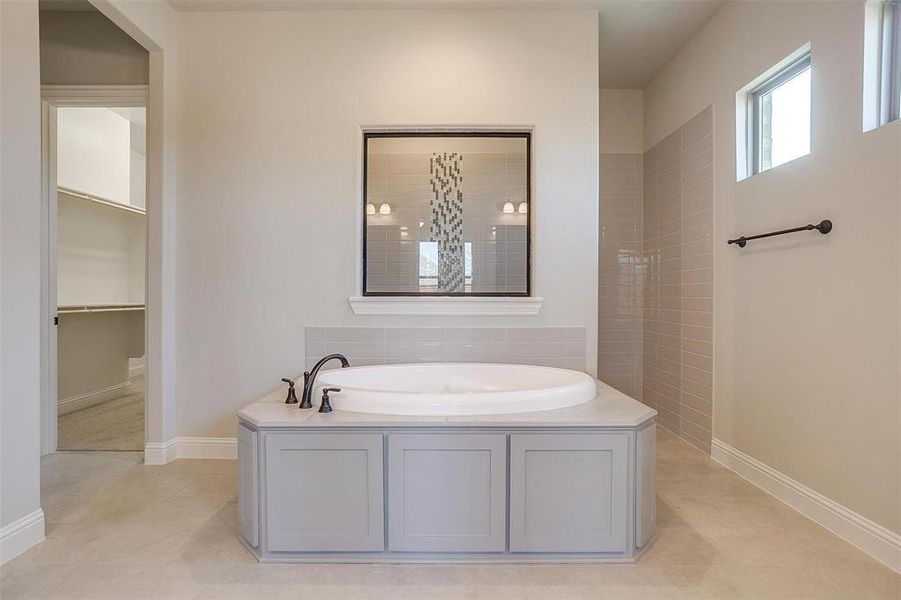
(73, 403)
(190, 447)
(136, 371)
(159, 453)
(879, 542)
(20, 535)
(206, 447)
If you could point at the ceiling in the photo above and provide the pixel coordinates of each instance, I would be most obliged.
(637, 37)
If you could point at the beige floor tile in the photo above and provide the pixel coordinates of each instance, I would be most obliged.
(76, 461)
(444, 581)
(787, 548)
(667, 516)
(241, 581)
(712, 485)
(734, 514)
(214, 544)
(680, 546)
(119, 529)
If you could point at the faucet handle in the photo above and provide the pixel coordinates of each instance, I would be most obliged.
(326, 406)
(292, 395)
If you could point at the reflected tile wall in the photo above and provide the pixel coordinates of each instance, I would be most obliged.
(498, 240)
(620, 273)
(548, 346)
(677, 324)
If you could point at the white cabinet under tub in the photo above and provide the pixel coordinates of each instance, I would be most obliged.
(447, 492)
(335, 487)
(569, 492)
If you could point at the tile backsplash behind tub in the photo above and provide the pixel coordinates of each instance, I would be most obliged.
(549, 346)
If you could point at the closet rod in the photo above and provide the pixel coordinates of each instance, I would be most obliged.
(103, 201)
(72, 310)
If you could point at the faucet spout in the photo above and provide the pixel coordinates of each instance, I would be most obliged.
(309, 378)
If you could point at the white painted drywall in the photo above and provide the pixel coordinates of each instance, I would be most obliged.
(20, 292)
(806, 327)
(154, 26)
(622, 115)
(269, 172)
(93, 355)
(84, 47)
(100, 252)
(100, 260)
(94, 152)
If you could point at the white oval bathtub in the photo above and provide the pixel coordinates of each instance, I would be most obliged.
(455, 389)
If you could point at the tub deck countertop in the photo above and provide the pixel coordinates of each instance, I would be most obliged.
(611, 408)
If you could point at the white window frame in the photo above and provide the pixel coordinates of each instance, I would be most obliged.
(890, 60)
(784, 75)
(881, 63)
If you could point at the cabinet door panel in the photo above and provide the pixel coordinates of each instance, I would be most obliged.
(324, 492)
(447, 492)
(568, 493)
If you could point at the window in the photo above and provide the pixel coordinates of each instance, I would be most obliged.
(881, 63)
(780, 116)
(890, 61)
(446, 213)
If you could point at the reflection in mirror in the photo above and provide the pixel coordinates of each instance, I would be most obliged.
(446, 214)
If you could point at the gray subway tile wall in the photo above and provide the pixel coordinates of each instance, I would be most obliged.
(620, 273)
(677, 272)
(548, 346)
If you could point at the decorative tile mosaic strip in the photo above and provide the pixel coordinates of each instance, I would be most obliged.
(446, 228)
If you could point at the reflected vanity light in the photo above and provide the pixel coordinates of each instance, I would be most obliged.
(523, 208)
(370, 209)
(508, 208)
(385, 209)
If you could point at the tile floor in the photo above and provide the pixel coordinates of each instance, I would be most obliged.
(117, 529)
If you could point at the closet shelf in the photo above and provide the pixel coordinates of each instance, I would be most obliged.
(72, 309)
(103, 201)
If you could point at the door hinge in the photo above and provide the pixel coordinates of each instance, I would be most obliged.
(56, 320)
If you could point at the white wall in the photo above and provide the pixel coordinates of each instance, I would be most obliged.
(100, 260)
(94, 152)
(100, 254)
(154, 26)
(84, 47)
(269, 172)
(20, 293)
(806, 351)
(621, 121)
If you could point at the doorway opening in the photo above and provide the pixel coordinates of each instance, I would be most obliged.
(95, 179)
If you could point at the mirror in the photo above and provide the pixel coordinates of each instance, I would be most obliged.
(446, 214)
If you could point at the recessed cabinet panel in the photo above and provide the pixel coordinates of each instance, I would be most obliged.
(447, 492)
(248, 479)
(324, 492)
(568, 492)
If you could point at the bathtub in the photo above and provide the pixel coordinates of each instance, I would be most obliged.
(455, 389)
(447, 471)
